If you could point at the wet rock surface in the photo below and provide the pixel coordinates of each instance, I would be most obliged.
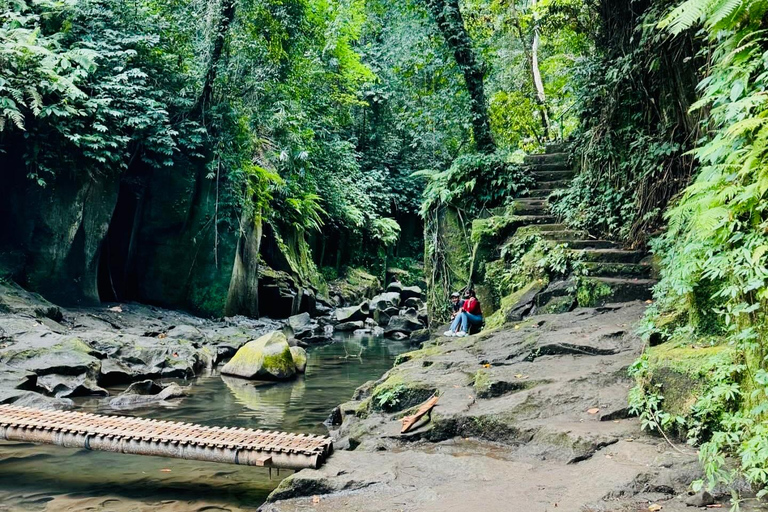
(48, 354)
(531, 417)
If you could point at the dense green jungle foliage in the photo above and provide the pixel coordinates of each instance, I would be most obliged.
(368, 131)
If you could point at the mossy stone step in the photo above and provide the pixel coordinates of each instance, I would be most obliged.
(635, 270)
(551, 184)
(541, 228)
(526, 220)
(564, 235)
(587, 243)
(554, 148)
(546, 158)
(605, 290)
(531, 209)
(551, 167)
(540, 193)
(553, 175)
(610, 255)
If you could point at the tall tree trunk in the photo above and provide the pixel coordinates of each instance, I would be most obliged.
(531, 49)
(541, 98)
(451, 24)
(225, 18)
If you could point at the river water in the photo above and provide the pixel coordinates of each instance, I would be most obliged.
(49, 478)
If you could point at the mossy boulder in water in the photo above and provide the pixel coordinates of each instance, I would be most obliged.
(299, 358)
(268, 357)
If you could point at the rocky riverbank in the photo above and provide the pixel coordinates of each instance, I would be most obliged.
(531, 417)
(49, 355)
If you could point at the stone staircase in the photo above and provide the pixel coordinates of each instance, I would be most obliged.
(616, 274)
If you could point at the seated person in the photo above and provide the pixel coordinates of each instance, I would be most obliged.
(469, 314)
(456, 304)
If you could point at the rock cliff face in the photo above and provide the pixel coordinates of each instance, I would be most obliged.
(161, 236)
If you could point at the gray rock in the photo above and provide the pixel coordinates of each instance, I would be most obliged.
(381, 318)
(420, 336)
(66, 386)
(38, 401)
(144, 387)
(300, 322)
(411, 292)
(411, 312)
(700, 499)
(113, 372)
(268, 357)
(394, 286)
(186, 332)
(70, 357)
(385, 300)
(353, 314)
(398, 336)
(414, 303)
(524, 305)
(317, 340)
(133, 400)
(350, 326)
(402, 324)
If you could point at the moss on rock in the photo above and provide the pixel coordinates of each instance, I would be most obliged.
(682, 372)
(268, 357)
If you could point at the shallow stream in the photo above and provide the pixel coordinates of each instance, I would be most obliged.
(52, 479)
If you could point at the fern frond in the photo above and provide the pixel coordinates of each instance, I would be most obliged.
(723, 10)
(685, 16)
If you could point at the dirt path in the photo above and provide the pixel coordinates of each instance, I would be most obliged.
(532, 418)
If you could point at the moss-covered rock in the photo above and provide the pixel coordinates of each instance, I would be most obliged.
(268, 357)
(591, 293)
(513, 304)
(299, 358)
(354, 287)
(397, 394)
(683, 372)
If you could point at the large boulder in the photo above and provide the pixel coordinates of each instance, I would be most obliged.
(353, 313)
(302, 326)
(410, 292)
(350, 326)
(268, 357)
(402, 324)
(67, 386)
(385, 300)
(146, 393)
(395, 286)
(300, 322)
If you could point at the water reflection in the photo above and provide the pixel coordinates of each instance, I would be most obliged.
(51, 478)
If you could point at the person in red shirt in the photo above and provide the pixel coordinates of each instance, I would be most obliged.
(469, 314)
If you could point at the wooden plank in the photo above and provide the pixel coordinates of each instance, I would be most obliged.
(426, 408)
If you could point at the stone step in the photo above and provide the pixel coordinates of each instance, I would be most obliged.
(563, 235)
(588, 243)
(531, 207)
(632, 270)
(550, 167)
(543, 228)
(623, 289)
(558, 184)
(527, 220)
(554, 148)
(543, 158)
(610, 255)
(554, 175)
(540, 192)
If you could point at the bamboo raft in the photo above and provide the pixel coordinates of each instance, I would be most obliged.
(142, 436)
